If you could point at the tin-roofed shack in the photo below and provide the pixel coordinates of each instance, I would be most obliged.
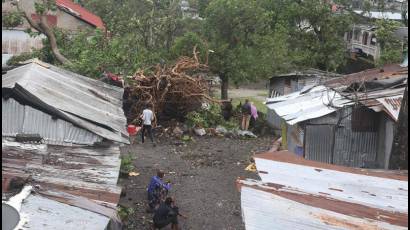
(284, 84)
(61, 137)
(346, 121)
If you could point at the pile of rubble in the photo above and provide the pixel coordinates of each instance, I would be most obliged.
(171, 90)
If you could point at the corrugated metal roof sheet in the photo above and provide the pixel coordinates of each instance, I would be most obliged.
(87, 103)
(81, 177)
(380, 15)
(297, 107)
(299, 194)
(392, 105)
(80, 12)
(47, 214)
(20, 119)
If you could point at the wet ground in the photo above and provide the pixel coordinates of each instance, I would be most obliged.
(203, 174)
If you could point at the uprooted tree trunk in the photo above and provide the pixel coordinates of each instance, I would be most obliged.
(172, 91)
(224, 86)
(42, 27)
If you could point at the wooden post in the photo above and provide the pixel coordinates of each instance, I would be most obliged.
(400, 152)
(284, 135)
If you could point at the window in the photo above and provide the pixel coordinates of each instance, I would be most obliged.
(365, 38)
(373, 40)
(51, 19)
(356, 34)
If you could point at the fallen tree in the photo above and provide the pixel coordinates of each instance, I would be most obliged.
(172, 91)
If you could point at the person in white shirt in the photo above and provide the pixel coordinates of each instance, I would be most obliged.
(147, 117)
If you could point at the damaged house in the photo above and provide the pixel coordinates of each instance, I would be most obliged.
(61, 138)
(346, 121)
(283, 84)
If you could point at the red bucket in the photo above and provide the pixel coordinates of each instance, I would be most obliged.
(132, 129)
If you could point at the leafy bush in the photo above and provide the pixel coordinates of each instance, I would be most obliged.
(126, 163)
(124, 212)
(209, 117)
(21, 58)
(12, 19)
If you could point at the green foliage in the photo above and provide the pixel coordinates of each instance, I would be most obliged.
(12, 19)
(44, 6)
(391, 47)
(127, 163)
(317, 37)
(124, 212)
(21, 58)
(186, 138)
(183, 46)
(208, 118)
(238, 33)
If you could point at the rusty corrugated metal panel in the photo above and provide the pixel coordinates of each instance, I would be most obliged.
(388, 72)
(78, 184)
(329, 141)
(300, 194)
(319, 143)
(90, 172)
(20, 119)
(355, 149)
(273, 119)
(16, 42)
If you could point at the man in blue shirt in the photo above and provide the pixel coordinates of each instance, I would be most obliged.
(157, 190)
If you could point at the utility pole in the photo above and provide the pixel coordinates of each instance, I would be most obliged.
(400, 152)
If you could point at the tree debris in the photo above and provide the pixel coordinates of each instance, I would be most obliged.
(173, 91)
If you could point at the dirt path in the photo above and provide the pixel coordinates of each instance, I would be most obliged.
(203, 174)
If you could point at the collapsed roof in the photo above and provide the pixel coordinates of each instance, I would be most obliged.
(86, 103)
(375, 88)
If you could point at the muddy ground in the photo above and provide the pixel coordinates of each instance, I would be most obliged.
(203, 174)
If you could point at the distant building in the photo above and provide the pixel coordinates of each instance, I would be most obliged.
(390, 5)
(69, 16)
(282, 84)
(188, 11)
(362, 40)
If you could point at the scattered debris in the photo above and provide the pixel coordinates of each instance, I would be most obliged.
(251, 167)
(221, 130)
(186, 138)
(246, 133)
(200, 132)
(177, 131)
(133, 174)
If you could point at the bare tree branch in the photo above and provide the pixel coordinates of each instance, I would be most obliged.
(42, 27)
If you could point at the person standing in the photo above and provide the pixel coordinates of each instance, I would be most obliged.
(147, 119)
(254, 114)
(246, 115)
